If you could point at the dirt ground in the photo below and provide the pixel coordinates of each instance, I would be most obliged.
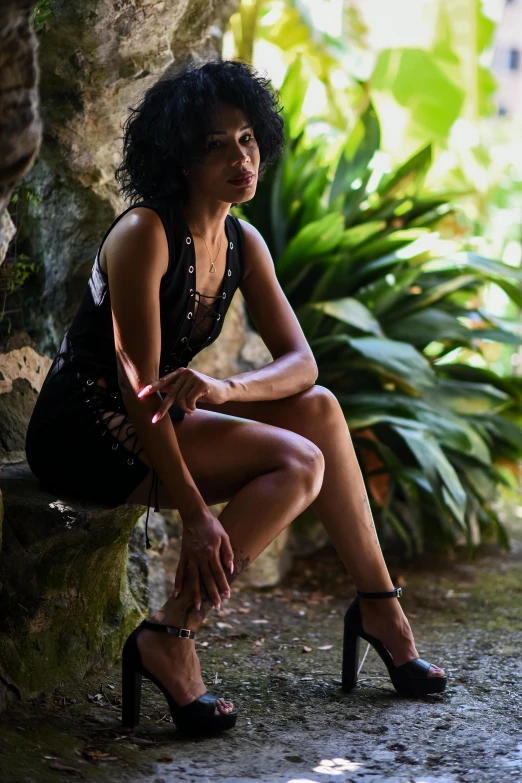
(277, 653)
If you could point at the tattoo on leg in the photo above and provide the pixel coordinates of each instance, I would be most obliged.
(240, 563)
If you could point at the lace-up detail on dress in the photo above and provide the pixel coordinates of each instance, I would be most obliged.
(107, 399)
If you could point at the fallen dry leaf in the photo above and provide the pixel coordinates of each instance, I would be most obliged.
(326, 647)
(307, 649)
(65, 768)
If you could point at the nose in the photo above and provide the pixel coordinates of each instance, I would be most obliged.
(239, 155)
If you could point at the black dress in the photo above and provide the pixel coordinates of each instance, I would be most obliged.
(70, 447)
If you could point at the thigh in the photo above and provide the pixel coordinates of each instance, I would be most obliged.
(223, 453)
(309, 413)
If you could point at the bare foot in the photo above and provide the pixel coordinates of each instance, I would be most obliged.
(176, 665)
(387, 622)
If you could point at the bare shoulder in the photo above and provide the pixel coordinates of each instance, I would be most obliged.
(255, 247)
(137, 237)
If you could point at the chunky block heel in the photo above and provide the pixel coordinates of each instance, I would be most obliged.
(409, 679)
(130, 697)
(351, 644)
(196, 718)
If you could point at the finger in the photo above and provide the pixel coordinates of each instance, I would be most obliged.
(178, 579)
(227, 553)
(194, 397)
(220, 576)
(195, 591)
(210, 584)
(185, 392)
(163, 408)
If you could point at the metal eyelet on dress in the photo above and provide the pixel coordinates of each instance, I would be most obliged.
(167, 368)
(224, 295)
(130, 461)
(183, 339)
(115, 446)
(192, 292)
(218, 317)
(231, 245)
(191, 269)
(190, 315)
(188, 240)
(90, 383)
(229, 272)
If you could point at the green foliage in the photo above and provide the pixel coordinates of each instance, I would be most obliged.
(42, 11)
(388, 307)
(17, 267)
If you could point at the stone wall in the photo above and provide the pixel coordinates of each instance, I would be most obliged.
(20, 127)
(97, 57)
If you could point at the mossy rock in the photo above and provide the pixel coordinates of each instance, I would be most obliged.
(65, 601)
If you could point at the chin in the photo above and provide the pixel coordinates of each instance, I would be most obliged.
(246, 194)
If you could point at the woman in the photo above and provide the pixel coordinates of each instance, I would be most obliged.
(269, 441)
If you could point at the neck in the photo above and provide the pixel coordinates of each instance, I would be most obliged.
(208, 217)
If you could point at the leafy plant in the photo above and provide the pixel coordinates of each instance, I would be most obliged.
(41, 12)
(388, 306)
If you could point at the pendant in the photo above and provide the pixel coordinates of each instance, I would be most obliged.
(212, 267)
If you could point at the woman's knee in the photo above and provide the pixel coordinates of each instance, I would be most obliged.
(305, 461)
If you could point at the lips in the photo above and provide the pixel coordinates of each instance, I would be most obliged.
(245, 179)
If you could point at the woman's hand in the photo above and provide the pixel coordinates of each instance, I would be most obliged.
(205, 549)
(186, 386)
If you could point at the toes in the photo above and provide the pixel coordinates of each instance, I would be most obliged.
(224, 706)
(435, 671)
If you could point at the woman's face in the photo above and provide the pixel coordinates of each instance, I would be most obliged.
(229, 167)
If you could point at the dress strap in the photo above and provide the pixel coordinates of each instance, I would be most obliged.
(154, 482)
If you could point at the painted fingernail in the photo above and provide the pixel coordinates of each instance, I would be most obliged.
(176, 593)
(231, 567)
(227, 593)
(144, 391)
(155, 418)
(218, 605)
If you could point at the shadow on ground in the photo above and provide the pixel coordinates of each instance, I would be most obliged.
(277, 653)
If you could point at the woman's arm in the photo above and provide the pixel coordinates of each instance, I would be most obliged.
(294, 368)
(137, 258)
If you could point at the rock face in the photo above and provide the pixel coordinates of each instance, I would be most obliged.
(65, 602)
(97, 57)
(22, 372)
(20, 127)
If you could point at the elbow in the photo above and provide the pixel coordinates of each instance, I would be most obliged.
(311, 373)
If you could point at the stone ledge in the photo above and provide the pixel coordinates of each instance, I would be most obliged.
(65, 601)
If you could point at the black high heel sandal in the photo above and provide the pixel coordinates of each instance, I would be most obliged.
(197, 717)
(409, 679)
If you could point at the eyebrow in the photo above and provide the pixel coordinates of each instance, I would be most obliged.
(223, 133)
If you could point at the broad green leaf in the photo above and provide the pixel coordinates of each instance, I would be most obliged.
(360, 147)
(466, 259)
(417, 81)
(396, 359)
(430, 324)
(350, 312)
(470, 399)
(315, 240)
(432, 459)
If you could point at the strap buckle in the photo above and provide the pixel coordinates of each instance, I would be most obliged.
(184, 633)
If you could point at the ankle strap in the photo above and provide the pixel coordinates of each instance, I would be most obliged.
(395, 593)
(173, 630)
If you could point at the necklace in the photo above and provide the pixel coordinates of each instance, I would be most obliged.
(212, 265)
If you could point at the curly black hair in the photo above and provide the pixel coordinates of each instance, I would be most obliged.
(165, 133)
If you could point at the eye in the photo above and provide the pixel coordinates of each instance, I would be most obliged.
(210, 145)
(250, 137)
